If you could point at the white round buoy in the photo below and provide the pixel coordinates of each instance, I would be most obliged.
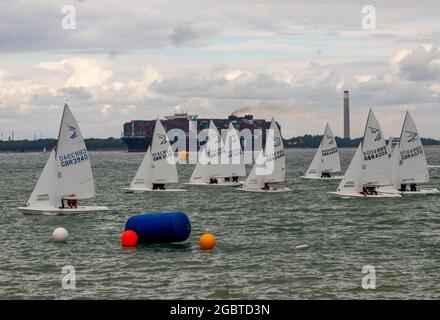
(302, 247)
(60, 235)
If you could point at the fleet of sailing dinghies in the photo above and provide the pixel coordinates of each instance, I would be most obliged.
(67, 176)
(158, 168)
(408, 163)
(377, 170)
(220, 163)
(326, 161)
(370, 167)
(270, 166)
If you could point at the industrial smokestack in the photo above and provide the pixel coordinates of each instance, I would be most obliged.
(346, 115)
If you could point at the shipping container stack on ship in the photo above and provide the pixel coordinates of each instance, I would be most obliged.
(137, 134)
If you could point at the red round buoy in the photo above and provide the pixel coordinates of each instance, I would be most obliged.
(129, 238)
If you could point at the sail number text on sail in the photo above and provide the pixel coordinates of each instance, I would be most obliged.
(273, 156)
(376, 153)
(164, 154)
(73, 158)
(414, 152)
(329, 152)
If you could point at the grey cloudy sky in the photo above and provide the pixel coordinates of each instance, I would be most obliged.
(292, 60)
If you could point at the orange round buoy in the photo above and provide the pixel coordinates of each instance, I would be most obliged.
(129, 238)
(207, 241)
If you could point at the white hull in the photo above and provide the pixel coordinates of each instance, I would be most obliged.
(61, 211)
(433, 166)
(140, 190)
(271, 190)
(420, 192)
(220, 184)
(321, 178)
(359, 195)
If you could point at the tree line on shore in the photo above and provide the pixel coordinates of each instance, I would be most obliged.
(306, 141)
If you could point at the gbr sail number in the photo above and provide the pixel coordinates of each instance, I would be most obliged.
(73, 158)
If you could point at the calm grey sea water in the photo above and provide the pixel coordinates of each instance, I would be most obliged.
(256, 235)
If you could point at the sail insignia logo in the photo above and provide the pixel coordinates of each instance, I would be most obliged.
(74, 132)
(331, 140)
(376, 131)
(412, 136)
(277, 141)
(162, 138)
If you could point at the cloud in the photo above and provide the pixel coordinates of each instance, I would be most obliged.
(292, 60)
(421, 64)
(185, 33)
(75, 93)
(119, 27)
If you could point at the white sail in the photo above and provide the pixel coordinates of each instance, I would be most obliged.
(270, 164)
(315, 169)
(275, 143)
(413, 167)
(143, 177)
(215, 151)
(326, 158)
(330, 152)
(163, 164)
(209, 164)
(200, 173)
(253, 180)
(233, 155)
(395, 170)
(390, 146)
(74, 172)
(376, 164)
(352, 182)
(45, 193)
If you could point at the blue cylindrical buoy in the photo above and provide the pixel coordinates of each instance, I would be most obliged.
(160, 227)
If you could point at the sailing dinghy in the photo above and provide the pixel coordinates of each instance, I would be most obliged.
(67, 176)
(158, 167)
(408, 162)
(217, 166)
(370, 167)
(270, 166)
(326, 160)
(235, 166)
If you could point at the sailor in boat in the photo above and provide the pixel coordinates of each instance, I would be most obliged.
(412, 187)
(235, 179)
(213, 181)
(266, 186)
(158, 186)
(72, 203)
(325, 175)
(371, 191)
(364, 191)
(227, 179)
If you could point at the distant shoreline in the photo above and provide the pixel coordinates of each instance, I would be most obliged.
(116, 144)
(125, 150)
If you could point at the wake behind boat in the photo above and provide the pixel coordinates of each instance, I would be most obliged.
(67, 176)
(270, 165)
(370, 167)
(158, 166)
(408, 162)
(326, 161)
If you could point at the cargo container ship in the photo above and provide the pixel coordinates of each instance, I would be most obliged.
(137, 134)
